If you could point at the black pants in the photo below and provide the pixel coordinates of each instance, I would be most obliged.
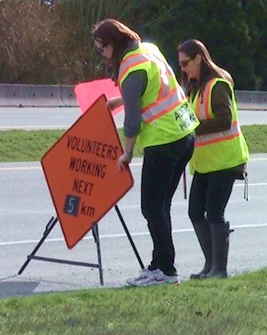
(162, 170)
(209, 196)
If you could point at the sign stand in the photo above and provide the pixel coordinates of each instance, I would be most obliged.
(129, 237)
(84, 181)
(51, 224)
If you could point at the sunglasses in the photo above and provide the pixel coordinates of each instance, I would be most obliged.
(101, 50)
(184, 63)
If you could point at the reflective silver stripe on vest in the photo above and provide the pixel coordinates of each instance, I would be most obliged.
(153, 111)
(167, 98)
(165, 69)
(130, 61)
(234, 131)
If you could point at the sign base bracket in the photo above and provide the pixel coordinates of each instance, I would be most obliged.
(51, 224)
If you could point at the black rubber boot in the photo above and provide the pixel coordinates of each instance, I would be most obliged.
(203, 232)
(220, 247)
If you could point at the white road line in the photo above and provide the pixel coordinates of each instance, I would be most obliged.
(254, 184)
(258, 159)
(33, 127)
(132, 164)
(16, 168)
(124, 235)
(10, 168)
(20, 168)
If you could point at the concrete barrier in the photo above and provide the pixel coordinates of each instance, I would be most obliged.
(64, 96)
(68, 97)
(37, 96)
(41, 95)
(11, 95)
(254, 100)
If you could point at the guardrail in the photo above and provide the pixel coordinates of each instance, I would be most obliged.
(37, 96)
(251, 100)
(64, 96)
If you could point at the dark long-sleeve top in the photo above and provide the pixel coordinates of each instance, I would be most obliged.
(133, 88)
(221, 97)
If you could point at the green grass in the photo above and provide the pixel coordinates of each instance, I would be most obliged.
(26, 146)
(256, 137)
(23, 146)
(233, 306)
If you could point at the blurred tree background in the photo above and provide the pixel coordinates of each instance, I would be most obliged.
(49, 41)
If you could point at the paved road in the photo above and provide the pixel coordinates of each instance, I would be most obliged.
(26, 207)
(44, 118)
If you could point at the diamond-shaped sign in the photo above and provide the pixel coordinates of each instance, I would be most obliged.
(82, 174)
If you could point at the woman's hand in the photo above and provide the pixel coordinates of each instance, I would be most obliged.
(124, 160)
(114, 103)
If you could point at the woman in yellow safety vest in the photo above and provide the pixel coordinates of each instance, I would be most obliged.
(159, 117)
(220, 153)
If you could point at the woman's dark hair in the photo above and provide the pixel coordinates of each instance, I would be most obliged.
(116, 34)
(208, 68)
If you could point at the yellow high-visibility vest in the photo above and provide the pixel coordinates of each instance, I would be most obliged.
(165, 112)
(220, 150)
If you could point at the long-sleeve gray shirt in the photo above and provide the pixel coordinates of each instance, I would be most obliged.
(133, 88)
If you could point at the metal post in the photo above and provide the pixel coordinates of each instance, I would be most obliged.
(50, 225)
(129, 237)
(97, 241)
(47, 231)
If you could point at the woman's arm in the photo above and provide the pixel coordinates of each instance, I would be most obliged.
(114, 103)
(133, 88)
(221, 102)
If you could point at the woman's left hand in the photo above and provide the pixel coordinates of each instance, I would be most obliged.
(124, 160)
(114, 103)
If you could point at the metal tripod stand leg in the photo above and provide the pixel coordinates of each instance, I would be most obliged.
(47, 231)
(50, 225)
(129, 237)
(97, 241)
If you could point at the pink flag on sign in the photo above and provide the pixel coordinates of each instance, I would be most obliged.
(87, 93)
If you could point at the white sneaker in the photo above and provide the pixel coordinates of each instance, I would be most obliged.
(155, 277)
(143, 275)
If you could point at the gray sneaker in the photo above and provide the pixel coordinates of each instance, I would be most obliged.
(143, 275)
(155, 277)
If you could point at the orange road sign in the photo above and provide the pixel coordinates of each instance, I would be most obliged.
(82, 174)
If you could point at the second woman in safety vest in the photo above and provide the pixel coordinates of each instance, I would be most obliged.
(220, 153)
(159, 117)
